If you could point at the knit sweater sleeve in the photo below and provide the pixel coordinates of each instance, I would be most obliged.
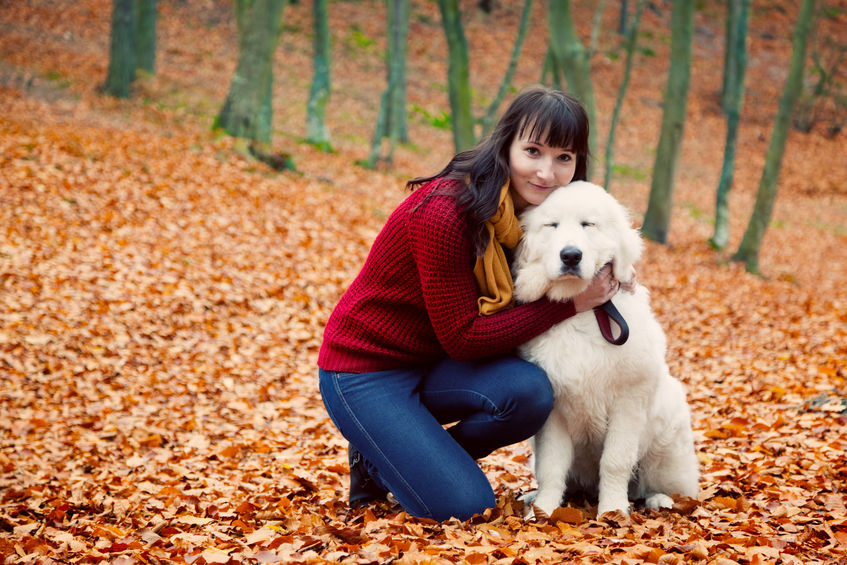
(441, 247)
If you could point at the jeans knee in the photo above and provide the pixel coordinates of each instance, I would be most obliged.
(534, 396)
(463, 503)
(457, 489)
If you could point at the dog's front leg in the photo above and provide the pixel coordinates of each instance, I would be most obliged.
(620, 455)
(553, 459)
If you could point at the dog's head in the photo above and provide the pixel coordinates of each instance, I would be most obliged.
(568, 238)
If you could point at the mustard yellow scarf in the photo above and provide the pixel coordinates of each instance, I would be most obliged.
(492, 269)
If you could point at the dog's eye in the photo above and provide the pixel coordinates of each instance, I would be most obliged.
(553, 225)
(587, 224)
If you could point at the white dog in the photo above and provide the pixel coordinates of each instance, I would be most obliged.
(620, 419)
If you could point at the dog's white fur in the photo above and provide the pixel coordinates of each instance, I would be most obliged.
(620, 419)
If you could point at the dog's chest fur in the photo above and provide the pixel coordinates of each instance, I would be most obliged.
(591, 377)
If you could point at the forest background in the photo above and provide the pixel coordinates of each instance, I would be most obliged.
(162, 297)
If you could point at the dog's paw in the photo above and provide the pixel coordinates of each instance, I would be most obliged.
(528, 497)
(613, 506)
(658, 500)
(616, 518)
(535, 506)
(542, 505)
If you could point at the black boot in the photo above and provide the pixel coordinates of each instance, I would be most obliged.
(362, 487)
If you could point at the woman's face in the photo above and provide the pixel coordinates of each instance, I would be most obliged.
(536, 169)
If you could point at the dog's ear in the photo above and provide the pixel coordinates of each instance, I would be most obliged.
(629, 245)
(530, 281)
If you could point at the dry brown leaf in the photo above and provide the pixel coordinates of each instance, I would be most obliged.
(162, 301)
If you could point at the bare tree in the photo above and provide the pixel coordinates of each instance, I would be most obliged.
(146, 36)
(391, 120)
(317, 132)
(458, 75)
(132, 44)
(121, 72)
(247, 111)
(658, 216)
(733, 94)
(571, 57)
(748, 251)
(490, 116)
(631, 39)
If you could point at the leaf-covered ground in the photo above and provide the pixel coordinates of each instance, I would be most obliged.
(162, 301)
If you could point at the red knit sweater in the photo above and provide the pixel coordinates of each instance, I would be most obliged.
(415, 300)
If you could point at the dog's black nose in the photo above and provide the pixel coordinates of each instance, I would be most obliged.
(570, 256)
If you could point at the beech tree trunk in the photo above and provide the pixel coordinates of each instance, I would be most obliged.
(748, 251)
(247, 111)
(121, 72)
(391, 119)
(458, 76)
(573, 59)
(146, 36)
(398, 18)
(317, 132)
(490, 117)
(658, 216)
(736, 65)
(631, 40)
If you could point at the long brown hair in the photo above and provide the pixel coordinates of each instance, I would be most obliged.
(535, 112)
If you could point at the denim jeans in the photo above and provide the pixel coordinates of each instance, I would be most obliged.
(396, 420)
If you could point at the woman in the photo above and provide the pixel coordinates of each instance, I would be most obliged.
(425, 335)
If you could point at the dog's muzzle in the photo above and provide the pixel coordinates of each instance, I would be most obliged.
(571, 258)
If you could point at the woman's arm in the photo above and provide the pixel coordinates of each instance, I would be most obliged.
(444, 256)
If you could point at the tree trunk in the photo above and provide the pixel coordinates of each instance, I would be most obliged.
(121, 49)
(733, 95)
(748, 251)
(264, 125)
(379, 131)
(391, 119)
(490, 116)
(573, 59)
(317, 132)
(146, 36)
(398, 21)
(734, 10)
(596, 26)
(631, 40)
(247, 111)
(658, 216)
(458, 76)
(623, 16)
(552, 69)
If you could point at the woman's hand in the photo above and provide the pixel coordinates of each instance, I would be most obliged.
(602, 288)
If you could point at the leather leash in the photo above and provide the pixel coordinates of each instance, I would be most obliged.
(608, 312)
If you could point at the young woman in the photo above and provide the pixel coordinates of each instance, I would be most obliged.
(424, 337)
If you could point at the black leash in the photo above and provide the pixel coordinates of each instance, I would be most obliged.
(603, 314)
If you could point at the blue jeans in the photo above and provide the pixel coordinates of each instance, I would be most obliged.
(396, 420)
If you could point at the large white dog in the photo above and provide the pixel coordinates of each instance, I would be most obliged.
(621, 426)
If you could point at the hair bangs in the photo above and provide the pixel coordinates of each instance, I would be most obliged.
(552, 123)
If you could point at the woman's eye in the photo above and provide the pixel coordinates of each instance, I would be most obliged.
(566, 157)
(532, 151)
(587, 224)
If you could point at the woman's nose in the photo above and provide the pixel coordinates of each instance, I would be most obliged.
(545, 171)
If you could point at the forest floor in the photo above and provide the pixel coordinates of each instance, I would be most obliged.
(162, 299)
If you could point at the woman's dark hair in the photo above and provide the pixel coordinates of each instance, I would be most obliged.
(537, 111)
